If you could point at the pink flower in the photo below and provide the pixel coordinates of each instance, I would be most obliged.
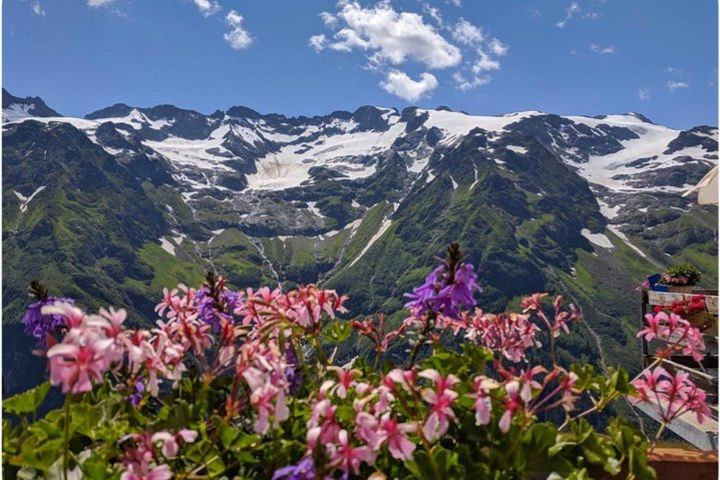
(673, 395)
(385, 396)
(482, 386)
(322, 426)
(115, 319)
(528, 383)
(171, 443)
(567, 387)
(345, 380)
(394, 434)
(81, 359)
(159, 472)
(647, 383)
(507, 334)
(263, 367)
(675, 333)
(366, 427)
(513, 403)
(532, 302)
(348, 458)
(652, 326)
(406, 378)
(140, 461)
(441, 400)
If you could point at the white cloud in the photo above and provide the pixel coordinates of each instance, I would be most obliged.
(457, 3)
(433, 12)
(329, 19)
(466, 33)
(485, 63)
(37, 8)
(99, 3)
(675, 71)
(238, 38)
(486, 49)
(318, 42)
(497, 47)
(570, 12)
(643, 94)
(392, 37)
(591, 16)
(401, 85)
(602, 50)
(207, 7)
(672, 86)
(463, 83)
(534, 12)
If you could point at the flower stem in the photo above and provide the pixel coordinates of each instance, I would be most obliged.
(66, 443)
(657, 437)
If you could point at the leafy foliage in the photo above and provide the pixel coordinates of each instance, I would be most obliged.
(244, 385)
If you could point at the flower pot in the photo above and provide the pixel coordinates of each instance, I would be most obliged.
(687, 464)
(674, 463)
(680, 288)
(699, 320)
(712, 327)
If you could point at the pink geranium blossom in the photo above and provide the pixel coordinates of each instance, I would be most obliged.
(482, 386)
(673, 395)
(675, 333)
(346, 380)
(79, 361)
(395, 435)
(513, 403)
(348, 458)
(441, 399)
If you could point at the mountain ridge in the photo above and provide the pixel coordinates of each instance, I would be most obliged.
(359, 201)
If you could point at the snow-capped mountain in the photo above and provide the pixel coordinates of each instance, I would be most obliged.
(241, 151)
(129, 199)
(16, 108)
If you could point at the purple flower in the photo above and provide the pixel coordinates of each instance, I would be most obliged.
(292, 373)
(459, 292)
(38, 325)
(137, 394)
(305, 470)
(446, 290)
(211, 311)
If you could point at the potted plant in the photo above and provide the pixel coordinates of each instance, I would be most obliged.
(250, 384)
(681, 278)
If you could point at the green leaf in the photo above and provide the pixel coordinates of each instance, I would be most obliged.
(39, 455)
(27, 402)
(337, 332)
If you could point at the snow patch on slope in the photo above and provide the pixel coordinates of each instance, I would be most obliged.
(517, 149)
(290, 166)
(599, 239)
(456, 125)
(26, 200)
(625, 239)
(16, 111)
(167, 246)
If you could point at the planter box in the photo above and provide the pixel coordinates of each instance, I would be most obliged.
(672, 463)
(675, 464)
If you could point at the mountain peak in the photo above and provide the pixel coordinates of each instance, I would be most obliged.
(15, 107)
(640, 117)
(243, 112)
(117, 110)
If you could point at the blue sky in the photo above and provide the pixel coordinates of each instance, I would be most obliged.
(482, 56)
